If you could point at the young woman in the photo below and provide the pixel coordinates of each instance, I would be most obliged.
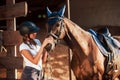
(32, 51)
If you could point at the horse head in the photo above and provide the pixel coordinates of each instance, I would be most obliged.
(56, 26)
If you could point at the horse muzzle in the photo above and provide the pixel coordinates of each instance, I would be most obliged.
(50, 46)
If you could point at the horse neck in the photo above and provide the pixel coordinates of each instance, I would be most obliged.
(78, 35)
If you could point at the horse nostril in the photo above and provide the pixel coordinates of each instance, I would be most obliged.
(48, 47)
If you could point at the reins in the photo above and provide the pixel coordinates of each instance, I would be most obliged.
(47, 73)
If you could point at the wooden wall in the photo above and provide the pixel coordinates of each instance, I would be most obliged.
(91, 13)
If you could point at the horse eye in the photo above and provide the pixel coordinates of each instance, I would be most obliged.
(57, 25)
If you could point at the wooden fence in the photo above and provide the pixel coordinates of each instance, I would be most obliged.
(10, 38)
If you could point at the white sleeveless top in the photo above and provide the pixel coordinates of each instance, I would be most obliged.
(33, 51)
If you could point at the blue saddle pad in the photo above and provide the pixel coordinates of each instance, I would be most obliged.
(97, 41)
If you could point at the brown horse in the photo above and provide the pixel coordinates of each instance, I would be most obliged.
(88, 63)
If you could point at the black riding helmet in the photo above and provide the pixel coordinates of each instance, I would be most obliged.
(28, 27)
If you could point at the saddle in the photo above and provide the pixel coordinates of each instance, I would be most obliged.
(104, 42)
(109, 43)
(107, 46)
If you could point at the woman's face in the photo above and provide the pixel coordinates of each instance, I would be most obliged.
(33, 35)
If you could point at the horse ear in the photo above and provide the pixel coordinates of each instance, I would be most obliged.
(62, 11)
(48, 11)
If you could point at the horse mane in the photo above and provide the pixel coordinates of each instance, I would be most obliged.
(75, 29)
(69, 22)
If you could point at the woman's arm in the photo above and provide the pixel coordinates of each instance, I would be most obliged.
(35, 59)
(44, 57)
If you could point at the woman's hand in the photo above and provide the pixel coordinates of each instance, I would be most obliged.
(48, 40)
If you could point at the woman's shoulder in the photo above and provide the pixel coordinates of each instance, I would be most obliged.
(37, 41)
(23, 46)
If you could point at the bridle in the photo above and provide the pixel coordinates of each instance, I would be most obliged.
(56, 36)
